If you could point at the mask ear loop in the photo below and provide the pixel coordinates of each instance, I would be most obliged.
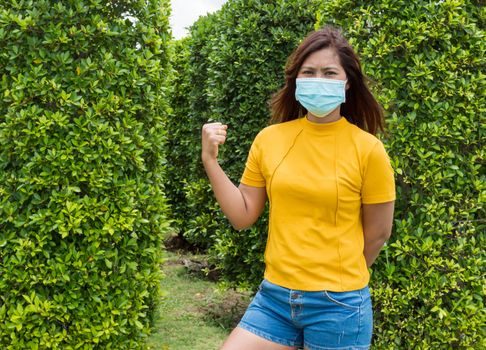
(280, 163)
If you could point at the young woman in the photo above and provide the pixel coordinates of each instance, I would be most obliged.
(331, 191)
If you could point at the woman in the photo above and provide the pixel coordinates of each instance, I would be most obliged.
(331, 191)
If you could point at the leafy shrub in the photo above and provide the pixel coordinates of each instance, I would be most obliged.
(426, 58)
(188, 100)
(233, 63)
(81, 204)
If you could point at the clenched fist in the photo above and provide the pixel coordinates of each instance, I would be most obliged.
(213, 135)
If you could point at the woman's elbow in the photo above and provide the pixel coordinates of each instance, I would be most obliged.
(239, 226)
(243, 219)
(382, 235)
(386, 234)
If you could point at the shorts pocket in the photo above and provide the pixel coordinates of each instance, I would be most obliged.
(260, 287)
(349, 300)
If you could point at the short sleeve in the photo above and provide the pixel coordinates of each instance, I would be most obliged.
(378, 183)
(252, 175)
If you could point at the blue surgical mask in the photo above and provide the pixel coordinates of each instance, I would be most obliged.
(320, 96)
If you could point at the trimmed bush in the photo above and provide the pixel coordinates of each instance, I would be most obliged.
(189, 106)
(233, 63)
(428, 61)
(82, 209)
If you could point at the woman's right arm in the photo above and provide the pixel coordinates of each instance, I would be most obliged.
(241, 205)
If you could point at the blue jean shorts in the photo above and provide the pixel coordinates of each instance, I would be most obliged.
(319, 320)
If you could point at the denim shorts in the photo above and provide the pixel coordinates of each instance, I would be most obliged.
(319, 320)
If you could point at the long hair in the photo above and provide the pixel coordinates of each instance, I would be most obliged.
(360, 108)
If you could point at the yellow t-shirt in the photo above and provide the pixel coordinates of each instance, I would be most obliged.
(316, 177)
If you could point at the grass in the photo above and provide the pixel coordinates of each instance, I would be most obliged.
(194, 314)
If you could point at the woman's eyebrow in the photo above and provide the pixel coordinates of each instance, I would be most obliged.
(322, 68)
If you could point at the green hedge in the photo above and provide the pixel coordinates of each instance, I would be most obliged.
(428, 60)
(232, 62)
(82, 209)
(427, 63)
(189, 108)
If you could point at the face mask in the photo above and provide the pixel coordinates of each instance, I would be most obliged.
(320, 96)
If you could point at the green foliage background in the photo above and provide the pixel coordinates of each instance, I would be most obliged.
(426, 59)
(226, 70)
(82, 209)
(82, 117)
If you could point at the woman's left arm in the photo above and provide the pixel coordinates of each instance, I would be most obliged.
(377, 227)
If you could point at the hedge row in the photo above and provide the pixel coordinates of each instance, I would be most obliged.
(226, 71)
(427, 61)
(82, 209)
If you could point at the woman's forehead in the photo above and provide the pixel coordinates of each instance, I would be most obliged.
(327, 57)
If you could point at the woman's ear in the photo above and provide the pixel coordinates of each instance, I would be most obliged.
(347, 85)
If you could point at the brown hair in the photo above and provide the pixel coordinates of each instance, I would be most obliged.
(360, 108)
